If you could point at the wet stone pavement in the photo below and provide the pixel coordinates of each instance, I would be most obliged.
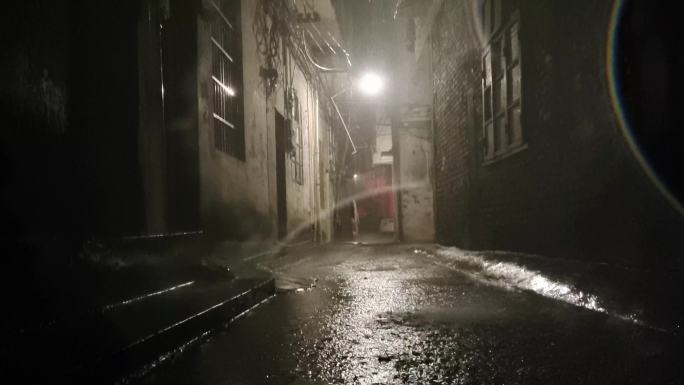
(356, 314)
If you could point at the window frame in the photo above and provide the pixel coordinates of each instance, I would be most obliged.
(502, 132)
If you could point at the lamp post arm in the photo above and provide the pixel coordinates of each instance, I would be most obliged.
(346, 129)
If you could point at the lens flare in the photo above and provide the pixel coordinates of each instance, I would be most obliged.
(618, 105)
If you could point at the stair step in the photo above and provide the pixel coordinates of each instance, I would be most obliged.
(130, 334)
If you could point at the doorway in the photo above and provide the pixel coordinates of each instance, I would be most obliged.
(281, 129)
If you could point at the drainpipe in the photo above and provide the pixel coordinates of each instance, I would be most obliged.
(396, 173)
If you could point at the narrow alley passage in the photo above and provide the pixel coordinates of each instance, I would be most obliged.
(381, 314)
(247, 192)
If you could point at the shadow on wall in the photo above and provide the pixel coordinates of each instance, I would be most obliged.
(237, 222)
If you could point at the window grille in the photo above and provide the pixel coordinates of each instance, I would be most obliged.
(297, 155)
(226, 78)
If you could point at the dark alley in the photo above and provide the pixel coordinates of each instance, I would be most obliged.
(341, 191)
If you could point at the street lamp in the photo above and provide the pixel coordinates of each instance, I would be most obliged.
(370, 84)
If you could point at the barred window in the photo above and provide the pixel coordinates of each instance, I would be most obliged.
(226, 78)
(502, 132)
(297, 156)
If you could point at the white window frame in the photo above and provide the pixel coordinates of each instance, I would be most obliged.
(502, 131)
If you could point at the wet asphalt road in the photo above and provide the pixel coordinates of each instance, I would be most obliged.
(382, 314)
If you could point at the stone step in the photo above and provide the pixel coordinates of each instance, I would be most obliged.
(131, 335)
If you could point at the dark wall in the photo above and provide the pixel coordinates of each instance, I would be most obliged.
(34, 99)
(576, 191)
(179, 39)
(69, 118)
(457, 111)
(648, 66)
(104, 75)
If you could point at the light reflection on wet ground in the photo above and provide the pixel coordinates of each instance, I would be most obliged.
(376, 315)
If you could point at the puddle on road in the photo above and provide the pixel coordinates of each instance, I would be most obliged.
(285, 284)
(363, 342)
(380, 331)
(378, 268)
(388, 329)
(433, 315)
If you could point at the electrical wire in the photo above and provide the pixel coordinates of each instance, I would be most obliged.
(280, 37)
(322, 68)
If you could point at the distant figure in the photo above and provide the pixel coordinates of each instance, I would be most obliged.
(354, 220)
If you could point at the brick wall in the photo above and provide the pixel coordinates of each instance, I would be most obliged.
(576, 190)
(456, 71)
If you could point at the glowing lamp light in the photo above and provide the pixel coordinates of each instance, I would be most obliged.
(371, 84)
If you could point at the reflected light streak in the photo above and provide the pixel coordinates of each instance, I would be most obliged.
(513, 276)
(325, 214)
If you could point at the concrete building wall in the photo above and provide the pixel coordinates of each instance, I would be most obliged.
(238, 198)
(86, 83)
(301, 201)
(415, 147)
(412, 97)
(37, 178)
(179, 69)
(152, 138)
(575, 190)
(325, 173)
(70, 111)
(234, 194)
(109, 127)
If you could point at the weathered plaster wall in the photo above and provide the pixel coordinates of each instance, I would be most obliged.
(300, 201)
(325, 182)
(413, 98)
(234, 195)
(238, 198)
(89, 148)
(415, 146)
